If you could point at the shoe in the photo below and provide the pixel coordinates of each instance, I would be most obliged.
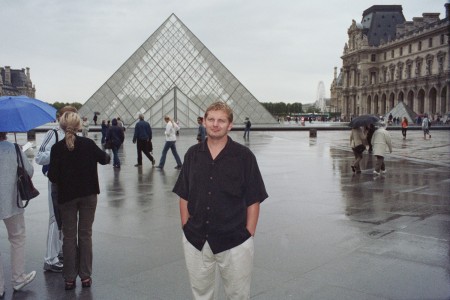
(2, 295)
(153, 162)
(70, 285)
(28, 278)
(57, 267)
(353, 169)
(178, 167)
(86, 282)
(61, 258)
(383, 171)
(138, 165)
(159, 167)
(116, 167)
(375, 172)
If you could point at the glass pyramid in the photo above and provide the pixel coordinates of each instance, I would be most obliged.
(174, 74)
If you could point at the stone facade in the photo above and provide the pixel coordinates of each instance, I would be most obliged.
(16, 82)
(382, 66)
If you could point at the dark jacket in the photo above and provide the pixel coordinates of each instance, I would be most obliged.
(75, 172)
(115, 134)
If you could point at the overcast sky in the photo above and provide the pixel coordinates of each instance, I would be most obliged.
(279, 49)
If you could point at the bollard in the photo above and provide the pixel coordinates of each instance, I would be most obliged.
(31, 135)
(312, 132)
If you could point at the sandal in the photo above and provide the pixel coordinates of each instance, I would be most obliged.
(69, 285)
(86, 282)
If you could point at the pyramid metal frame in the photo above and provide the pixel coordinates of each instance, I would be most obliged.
(173, 73)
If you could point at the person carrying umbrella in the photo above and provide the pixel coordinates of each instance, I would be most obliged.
(381, 142)
(12, 215)
(358, 143)
(53, 255)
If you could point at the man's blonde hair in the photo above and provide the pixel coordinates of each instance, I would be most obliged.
(219, 105)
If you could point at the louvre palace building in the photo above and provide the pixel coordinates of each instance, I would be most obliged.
(16, 82)
(388, 60)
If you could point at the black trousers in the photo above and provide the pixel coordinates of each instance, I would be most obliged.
(142, 147)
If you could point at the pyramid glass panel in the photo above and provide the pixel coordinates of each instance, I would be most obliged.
(174, 74)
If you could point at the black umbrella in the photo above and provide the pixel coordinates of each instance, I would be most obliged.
(363, 120)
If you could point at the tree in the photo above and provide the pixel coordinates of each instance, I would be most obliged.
(282, 109)
(59, 105)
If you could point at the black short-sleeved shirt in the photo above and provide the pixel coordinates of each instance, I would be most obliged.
(218, 193)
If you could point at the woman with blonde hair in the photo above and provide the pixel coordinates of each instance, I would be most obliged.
(171, 138)
(73, 168)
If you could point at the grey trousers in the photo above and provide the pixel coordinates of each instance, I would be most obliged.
(54, 237)
(15, 226)
(77, 219)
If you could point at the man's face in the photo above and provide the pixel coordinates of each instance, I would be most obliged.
(217, 124)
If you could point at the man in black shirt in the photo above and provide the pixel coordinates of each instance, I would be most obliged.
(220, 189)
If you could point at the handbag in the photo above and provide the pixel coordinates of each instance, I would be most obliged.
(108, 144)
(360, 148)
(25, 186)
(149, 146)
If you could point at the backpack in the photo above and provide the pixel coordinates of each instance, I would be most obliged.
(46, 167)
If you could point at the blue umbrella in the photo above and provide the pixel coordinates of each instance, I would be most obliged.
(21, 113)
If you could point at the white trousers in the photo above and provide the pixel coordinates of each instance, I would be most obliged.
(235, 267)
(54, 235)
(15, 226)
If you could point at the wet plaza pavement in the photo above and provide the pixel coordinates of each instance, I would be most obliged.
(323, 233)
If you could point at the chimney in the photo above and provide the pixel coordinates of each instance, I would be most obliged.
(447, 10)
(7, 75)
(418, 22)
(28, 75)
(335, 72)
(430, 17)
(409, 26)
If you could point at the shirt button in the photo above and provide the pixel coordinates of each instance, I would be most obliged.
(207, 222)
(207, 208)
(209, 193)
(210, 177)
(206, 236)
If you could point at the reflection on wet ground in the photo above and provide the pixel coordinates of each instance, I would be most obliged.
(324, 233)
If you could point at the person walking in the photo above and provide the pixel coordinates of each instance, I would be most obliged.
(171, 138)
(381, 142)
(404, 127)
(248, 125)
(426, 127)
(53, 258)
(104, 131)
(220, 189)
(142, 137)
(95, 118)
(73, 168)
(201, 134)
(85, 127)
(116, 136)
(358, 143)
(12, 215)
(369, 130)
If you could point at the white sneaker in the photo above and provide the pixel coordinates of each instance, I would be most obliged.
(375, 173)
(28, 278)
